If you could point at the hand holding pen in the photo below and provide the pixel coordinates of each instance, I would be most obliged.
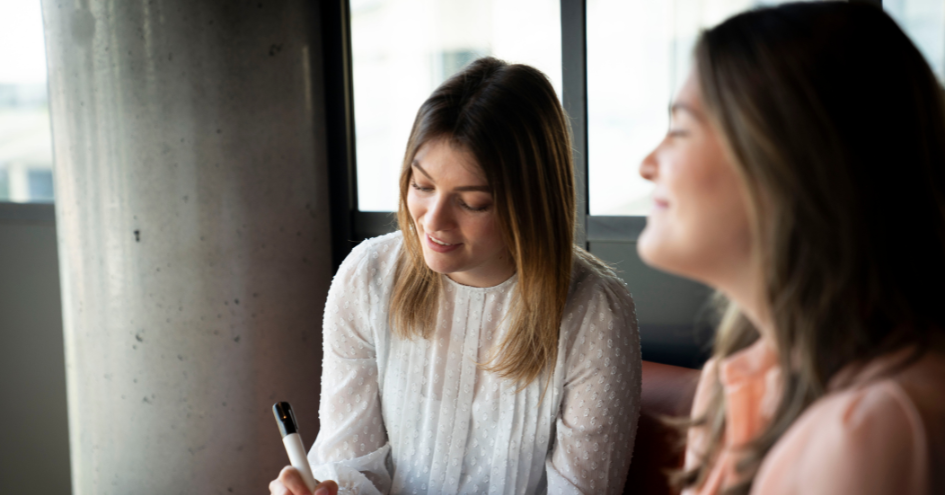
(296, 479)
(290, 482)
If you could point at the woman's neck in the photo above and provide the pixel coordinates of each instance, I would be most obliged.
(748, 293)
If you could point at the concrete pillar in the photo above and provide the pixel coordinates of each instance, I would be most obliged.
(192, 209)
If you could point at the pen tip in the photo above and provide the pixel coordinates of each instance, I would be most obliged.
(285, 418)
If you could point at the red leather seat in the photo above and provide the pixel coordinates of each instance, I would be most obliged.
(667, 391)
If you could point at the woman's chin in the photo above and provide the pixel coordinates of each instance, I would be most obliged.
(656, 253)
(437, 265)
(648, 247)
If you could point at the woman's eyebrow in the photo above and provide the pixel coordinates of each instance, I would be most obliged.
(487, 189)
(416, 165)
(679, 106)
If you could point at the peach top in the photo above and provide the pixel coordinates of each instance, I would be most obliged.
(874, 433)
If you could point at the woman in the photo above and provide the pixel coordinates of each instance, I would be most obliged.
(477, 350)
(803, 176)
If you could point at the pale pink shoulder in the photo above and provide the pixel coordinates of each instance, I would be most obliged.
(867, 440)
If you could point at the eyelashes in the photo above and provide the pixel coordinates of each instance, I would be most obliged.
(470, 208)
(461, 203)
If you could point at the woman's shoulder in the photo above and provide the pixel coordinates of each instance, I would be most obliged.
(597, 298)
(371, 263)
(903, 385)
(591, 276)
(874, 434)
(376, 251)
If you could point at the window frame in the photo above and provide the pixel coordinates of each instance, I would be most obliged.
(27, 213)
(350, 225)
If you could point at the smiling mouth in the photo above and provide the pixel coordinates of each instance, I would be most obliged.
(434, 239)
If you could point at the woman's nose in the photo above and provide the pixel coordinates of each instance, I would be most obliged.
(648, 167)
(439, 216)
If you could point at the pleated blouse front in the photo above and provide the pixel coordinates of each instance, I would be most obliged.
(419, 416)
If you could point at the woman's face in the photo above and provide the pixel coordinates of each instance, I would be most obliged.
(452, 209)
(698, 226)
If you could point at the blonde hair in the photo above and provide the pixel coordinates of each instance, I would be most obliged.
(836, 125)
(509, 118)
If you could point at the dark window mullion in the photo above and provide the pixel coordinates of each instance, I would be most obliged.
(574, 97)
(339, 119)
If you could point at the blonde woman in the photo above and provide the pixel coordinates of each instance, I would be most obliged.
(477, 350)
(803, 176)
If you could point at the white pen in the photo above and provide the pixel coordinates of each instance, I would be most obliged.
(293, 442)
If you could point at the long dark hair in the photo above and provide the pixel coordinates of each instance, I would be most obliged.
(836, 125)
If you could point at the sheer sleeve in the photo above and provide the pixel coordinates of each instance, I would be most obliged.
(351, 447)
(600, 402)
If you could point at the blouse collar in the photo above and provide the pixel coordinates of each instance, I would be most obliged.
(452, 285)
(751, 383)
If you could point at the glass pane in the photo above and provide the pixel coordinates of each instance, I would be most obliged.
(403, 49)
(25, 139)
(638, 54)
(924, 22)
(40, 185)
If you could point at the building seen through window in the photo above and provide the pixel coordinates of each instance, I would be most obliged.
(25, 139)
(924, 22)
(403, 49)
(638, 54)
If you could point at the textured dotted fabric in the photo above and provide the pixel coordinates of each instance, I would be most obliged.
(419, 417)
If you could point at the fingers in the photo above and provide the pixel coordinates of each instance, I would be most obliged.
(277, 488)
(327, 488)
(290, 482)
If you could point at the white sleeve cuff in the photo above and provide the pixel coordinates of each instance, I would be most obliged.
(365, 475)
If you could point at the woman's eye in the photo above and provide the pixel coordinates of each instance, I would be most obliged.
(418, 187)
(470, 208)
(677, 133)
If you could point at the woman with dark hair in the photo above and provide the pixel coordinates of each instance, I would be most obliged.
(478, 350)
(803, 176)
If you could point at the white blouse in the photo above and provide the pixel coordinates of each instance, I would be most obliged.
(419, 416)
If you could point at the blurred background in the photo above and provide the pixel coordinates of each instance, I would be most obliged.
(25, 141)
(637, 54)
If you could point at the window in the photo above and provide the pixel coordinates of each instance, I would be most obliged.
(25, 138)
(638, 55)
(616, 64)
(924, 22)
(402, 50)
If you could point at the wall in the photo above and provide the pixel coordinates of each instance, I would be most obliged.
(34, 440)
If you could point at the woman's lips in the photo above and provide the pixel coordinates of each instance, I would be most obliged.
(440, 248)
(660, 203)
